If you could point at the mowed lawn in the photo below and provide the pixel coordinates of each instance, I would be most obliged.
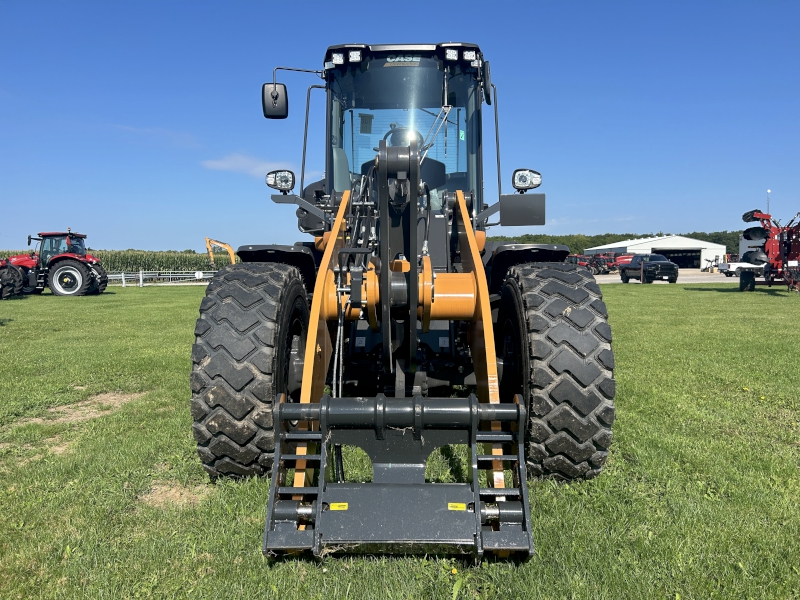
(102, 495)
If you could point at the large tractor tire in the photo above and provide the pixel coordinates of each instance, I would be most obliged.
(755, 234)
(755, 257)
(69, 278)
(101, 283)
(11, 281)
(553, 335)
(249, 347)
(749, 217)
(747, 281)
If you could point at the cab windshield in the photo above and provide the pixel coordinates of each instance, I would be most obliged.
(399, 98)
(58, 245)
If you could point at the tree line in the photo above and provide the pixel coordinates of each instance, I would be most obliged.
(578, 242)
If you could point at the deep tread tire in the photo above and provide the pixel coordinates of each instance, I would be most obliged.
(553, 334)
(69, 278)
(625, 278)
(747, 281)
(749, 217)
(240, 358)
(101, 283)
(11, 281)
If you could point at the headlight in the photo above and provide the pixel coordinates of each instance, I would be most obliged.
(451, 54)
(280, 180)
(337, 58)
(525, 179)
(354, 56)
(470, 55)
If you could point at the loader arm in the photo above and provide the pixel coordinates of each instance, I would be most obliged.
(398, 508)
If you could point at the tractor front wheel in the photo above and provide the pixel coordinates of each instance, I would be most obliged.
(249, 347)
(553, 335)
(101, 282)
(69, 278)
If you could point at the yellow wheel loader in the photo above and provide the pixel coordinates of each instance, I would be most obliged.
(398, 329)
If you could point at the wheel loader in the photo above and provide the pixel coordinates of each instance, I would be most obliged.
(399, 330)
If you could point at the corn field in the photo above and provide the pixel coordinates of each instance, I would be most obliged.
(130, 261)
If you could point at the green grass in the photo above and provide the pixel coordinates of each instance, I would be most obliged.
(699, 498)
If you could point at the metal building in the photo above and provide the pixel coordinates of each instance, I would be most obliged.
(687, 253)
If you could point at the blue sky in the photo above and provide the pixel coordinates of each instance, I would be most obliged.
(139, 123)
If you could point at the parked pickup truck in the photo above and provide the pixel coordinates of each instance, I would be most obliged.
(649, 267)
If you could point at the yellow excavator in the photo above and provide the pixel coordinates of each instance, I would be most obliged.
(227, 247)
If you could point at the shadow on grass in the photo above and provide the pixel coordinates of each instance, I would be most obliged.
(735, 290)
(397, 552)
(17, 298)
(4, 321)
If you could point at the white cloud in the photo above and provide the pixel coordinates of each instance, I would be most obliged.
(241, 163)
(175, 138)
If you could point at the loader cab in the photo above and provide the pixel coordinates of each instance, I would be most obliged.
(428, 93)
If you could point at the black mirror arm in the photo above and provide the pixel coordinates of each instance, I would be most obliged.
(485, 214)
(276, 69)
(304, 204)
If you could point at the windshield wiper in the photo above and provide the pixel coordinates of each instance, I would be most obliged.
(443, 114)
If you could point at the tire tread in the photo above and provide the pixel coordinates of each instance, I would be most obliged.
(572, 389)
(232, 375)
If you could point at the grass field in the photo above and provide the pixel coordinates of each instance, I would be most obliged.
(102, 495)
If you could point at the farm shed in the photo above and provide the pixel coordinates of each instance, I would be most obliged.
(687, 253)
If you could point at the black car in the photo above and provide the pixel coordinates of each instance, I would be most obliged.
(648, 268)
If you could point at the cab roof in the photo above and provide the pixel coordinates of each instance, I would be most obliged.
(403, 47)
(54, 233)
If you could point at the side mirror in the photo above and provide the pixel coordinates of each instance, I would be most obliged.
(29, 240)
(274, 101)
(525, 179)
(518, 209)
(283, 180)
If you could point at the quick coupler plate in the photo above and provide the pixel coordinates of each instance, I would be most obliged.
(398, 511)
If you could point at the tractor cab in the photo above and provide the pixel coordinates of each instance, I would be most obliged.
(55, 243)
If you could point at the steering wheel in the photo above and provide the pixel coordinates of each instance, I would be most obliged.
(402, 136)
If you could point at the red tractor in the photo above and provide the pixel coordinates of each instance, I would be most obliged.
(60, 263)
